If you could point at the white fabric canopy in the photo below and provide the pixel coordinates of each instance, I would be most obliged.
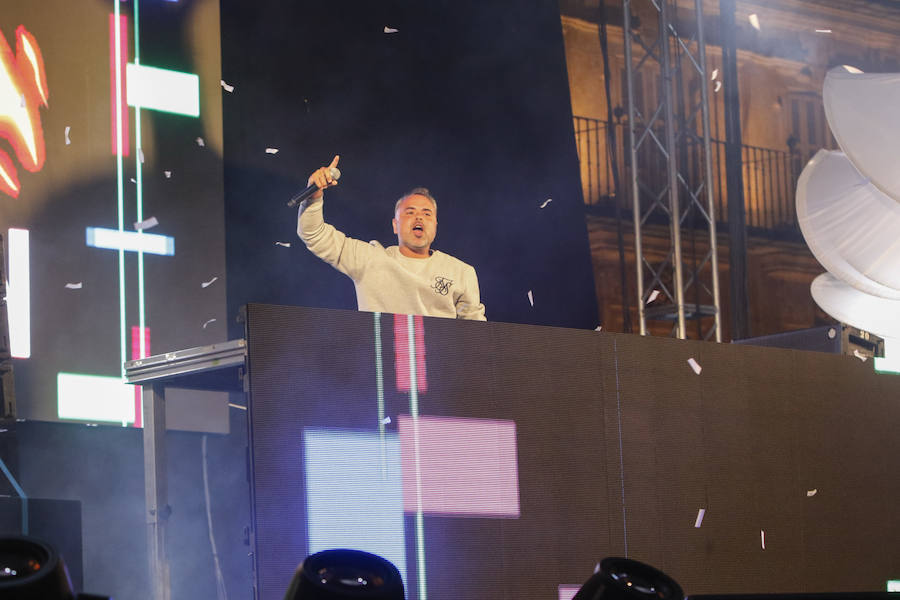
(849, 305)
(861, 109)
(849, 225)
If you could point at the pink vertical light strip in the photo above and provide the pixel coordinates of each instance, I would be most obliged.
(136, 353)
(567, 592)
(401, 353)
(116, 95)
(468, 466)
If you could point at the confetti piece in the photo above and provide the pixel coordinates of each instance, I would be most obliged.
(206, 284)
(68, 141)
(386, 421)
(823, 31)
(146, 224)
(238, 406)
(200, 142)
(546, 202)
(811, 493)
(225, 86)
(285, 244)
(530, 298)
(141, 155)
(718, 86)
(168, 174)
(271, 150)
(73, 286)
(133, 180)
(208, 322)
(389, 29)
(598, 328)
(715, 74)
(22, 100)
(700, 513)
(653, 296)
(597, 568)
(831, 333)
(860, 356)
(694, 365)
(762, 538)
(754, 21)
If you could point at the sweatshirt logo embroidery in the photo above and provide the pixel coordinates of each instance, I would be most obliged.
(442, 285)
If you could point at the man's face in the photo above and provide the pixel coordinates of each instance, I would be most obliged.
(415, 224)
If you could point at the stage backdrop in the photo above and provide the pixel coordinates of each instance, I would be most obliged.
(469, 99)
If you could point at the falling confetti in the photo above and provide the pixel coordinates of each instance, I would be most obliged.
(200, 142)
(762, 538)
(68, 141)
(598, 328)
(699, 521)
(811, 493)
(754, 21)
(530, 298)
(238, 406)
(860, 355)
(823, 31)
(546, 202)
(715, 74)
(208, 322)
(73, 286)
(597, 568)
(141, 155)
(694, 365)
(285, 244)
(226, 87)
(718, 86)
(831, 333)
(206, 284)
(22, 100)
(168, 174)
(133, 180)
(386, 421)
(653, 296)
(389, 29)
(271, 150)
(146, 224)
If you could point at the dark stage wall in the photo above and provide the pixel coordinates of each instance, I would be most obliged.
(468, 98)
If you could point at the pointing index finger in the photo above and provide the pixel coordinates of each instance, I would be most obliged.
(334, 161)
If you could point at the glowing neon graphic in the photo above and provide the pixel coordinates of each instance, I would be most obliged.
(337, 465)
(94, 398)
(130, 241)
(118, 50)
(402, 344)
(465, 467)
(567, 592)
(163, 90)
(18, 294)
(23, 90)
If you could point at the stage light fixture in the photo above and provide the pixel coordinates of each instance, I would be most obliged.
(626, 579)
(345, 575)
(32, 570)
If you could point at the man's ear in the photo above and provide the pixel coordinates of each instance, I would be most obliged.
(394, 225)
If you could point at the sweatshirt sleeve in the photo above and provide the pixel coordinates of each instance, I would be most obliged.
(468, 305)
(346, 254)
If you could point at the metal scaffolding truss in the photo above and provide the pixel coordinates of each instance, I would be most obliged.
(671, 173)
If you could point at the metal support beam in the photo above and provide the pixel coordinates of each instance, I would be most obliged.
(156, 489)
(671, 172)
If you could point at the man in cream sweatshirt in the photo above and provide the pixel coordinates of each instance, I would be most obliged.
(409, 278)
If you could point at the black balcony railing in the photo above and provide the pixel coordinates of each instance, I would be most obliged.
(770, 177)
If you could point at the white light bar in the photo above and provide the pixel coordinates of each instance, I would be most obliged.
(94, 398)
(18, 294)
(163, 90)
(132, 241)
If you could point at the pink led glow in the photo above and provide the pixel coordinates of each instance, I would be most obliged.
(466, 467)
(567, 592)
(135, 354)
(117, 96)
(401, 353)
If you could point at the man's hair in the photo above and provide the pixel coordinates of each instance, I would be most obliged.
(419, 191)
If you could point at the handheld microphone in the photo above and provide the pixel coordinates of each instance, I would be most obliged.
(312, 189)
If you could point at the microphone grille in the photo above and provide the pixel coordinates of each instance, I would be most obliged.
(335, 172)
